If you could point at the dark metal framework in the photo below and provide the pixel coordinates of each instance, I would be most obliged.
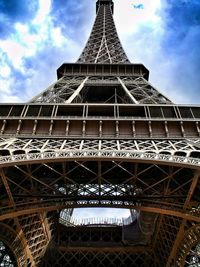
(100, 136)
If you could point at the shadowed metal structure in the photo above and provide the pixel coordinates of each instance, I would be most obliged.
(100, 136)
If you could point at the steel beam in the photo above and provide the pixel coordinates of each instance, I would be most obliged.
(38, 209)
(19, 231)
(182, 228)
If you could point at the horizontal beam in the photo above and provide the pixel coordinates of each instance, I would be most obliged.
(111, 121)
(109, 128)
(99, 155)
(12, 213)
(102, 69)
(104, 197)
(62, 110)
(107, 249)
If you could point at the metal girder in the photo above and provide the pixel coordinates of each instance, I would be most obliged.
(9, 236)
(40, 96)
(5, 182)
(60, 91)
(45, 226)
(31, 252)
(194, 183)
(106, 183)
(182, 228)
(190, 239)
(135, 90)
(77, 92)
(73, 155)
(44, 208)
(96, 257)
(142, 91)
(20, 233)
(107, 249)
(179, 237)
(168, 146)
(127, 92)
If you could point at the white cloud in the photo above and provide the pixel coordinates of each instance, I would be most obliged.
(30, 42)
(43, 12)
(24, 36)
(15, 52)
(5, 71)
(5, 86)
(30, 38)
(57, 37)
(7, 83)
(5, 78)
(142, 32)
(9, 98)
(129, 20)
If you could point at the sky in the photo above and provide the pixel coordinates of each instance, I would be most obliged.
(37, 36)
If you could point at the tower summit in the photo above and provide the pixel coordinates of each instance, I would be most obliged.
(100, 136)
(105, 2)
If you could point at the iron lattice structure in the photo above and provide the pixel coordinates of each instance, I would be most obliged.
(100, 136)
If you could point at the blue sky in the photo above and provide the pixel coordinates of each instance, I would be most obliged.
(37, 36)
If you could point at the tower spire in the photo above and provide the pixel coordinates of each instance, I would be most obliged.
(103, 45)
(103, 50)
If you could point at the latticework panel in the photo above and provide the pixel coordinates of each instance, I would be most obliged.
(111, 183)
(188, 252)
(11, 238)
(167, 233)
(151, 189)
(89, 236)
(180, 147)
(28, 238)
(77, 257)
(37, 231)
(61, 90)
(102, 89)
(170, 146)
(143, 92)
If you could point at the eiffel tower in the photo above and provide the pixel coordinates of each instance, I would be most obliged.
(100, 136)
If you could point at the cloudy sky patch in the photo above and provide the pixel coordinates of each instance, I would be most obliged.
(32, 48)
(39, 35)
